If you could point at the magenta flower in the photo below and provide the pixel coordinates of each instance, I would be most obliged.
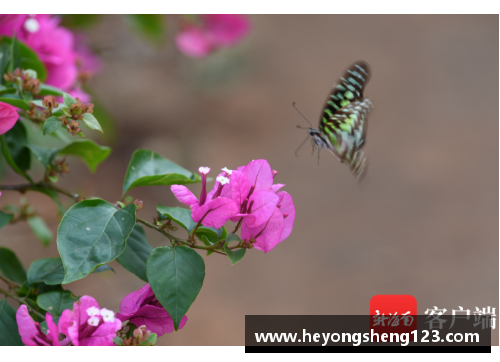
(31, 332)
(215, 31)
(142, 308)
(8, 117)
(54, 45)
(87, 325)
(266, 215)
(211, 210)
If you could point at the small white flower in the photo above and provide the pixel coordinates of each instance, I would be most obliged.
(223, 180)
(204, 170)
(93, 321)
(93, 311)
(107, 315)
(229, 172)
(31, 25)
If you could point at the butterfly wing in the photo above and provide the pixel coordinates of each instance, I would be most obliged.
(346, 131)
(349, 88)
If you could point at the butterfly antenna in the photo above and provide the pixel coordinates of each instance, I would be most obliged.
(302, 144)
(293, 104)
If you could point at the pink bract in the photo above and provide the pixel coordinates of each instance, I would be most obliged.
(8, 117)
(31, 333)
(142, 308)
(215, 31)
(77, 324)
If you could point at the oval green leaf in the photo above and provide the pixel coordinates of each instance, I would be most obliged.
(52, 124)
(5, 218)
(236, 255)
(9, 334)
(180, 216)
(40, 229)
(91, 122)
(148, 168)
(47, 270)
(92, 233)
(176, 276)
(88, 151)
(136, 253)
(57, 301)
(11, 267)
(16, 102)
(48, 90)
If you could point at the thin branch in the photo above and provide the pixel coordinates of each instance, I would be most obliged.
(20, 300)
(9, 282)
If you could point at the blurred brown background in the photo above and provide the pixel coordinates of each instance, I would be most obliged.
(424, 222)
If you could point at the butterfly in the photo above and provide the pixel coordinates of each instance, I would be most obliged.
(343, 122)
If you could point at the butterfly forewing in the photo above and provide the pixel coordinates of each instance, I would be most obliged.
(344, 119)
(349, 88)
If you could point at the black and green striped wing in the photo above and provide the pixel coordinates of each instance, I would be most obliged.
(344, 118)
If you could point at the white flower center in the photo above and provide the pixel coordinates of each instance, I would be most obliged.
(93, 311)
(228, 171)
(223, 180)
(93, 321)
(107, 315)
(31, 25)
(204, 170)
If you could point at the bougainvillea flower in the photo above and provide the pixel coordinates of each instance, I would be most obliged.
(142, 308)
(215, 31)
(64, 58)
(31, 333)
(8, 117)
(87, 325)
(267, 235)
(212, 210)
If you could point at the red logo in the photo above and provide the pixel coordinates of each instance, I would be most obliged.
(393, 313)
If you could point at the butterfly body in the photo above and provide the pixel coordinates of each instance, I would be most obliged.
(343, 122)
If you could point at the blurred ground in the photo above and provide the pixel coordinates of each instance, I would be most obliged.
(425, 222)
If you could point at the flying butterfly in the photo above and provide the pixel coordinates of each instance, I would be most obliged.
(343, 122)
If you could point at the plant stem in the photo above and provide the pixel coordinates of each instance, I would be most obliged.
(8, 282)
(20, 300)
(237, 226)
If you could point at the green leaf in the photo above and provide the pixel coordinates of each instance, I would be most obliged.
(9, 334)
(11, 267)
(48, 90)
(181, 216)
(43, 154)
(150, 341)
(10, 161)
(118, 341)
(92, 233)
(5, 90)
(212, 234)
(176, 276)
(151, 26)
(103, 268)
(91, 122)
(16, 102)
(15, 60)
(51, 271)
(4, 59)
(68, 100)
(136, 253)
(57, 301)
(28, 59)
(5, 219)
(47, 270)
(52, 124)
(148, 168)
(234, 256)
(40, 229)
(88, 151)
(232, 237)
(16, 139)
